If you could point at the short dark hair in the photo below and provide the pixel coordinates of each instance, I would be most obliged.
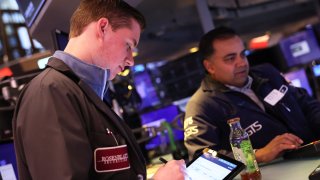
(118, 12)
(206, 41)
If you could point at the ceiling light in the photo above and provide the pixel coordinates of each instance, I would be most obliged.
(260, 42)
(193, 50)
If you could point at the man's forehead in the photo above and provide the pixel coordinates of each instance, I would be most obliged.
(233, 43)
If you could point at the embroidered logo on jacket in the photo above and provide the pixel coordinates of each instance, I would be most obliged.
(253, 128)
(110, 159)
(189, 128)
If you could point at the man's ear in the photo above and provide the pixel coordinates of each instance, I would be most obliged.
(208, 65)
(102, 26)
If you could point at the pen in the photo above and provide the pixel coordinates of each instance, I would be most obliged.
(163, 160)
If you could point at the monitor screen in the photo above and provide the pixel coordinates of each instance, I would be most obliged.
(300, 48)
(299, 78)
(60, 39)
(8, 165)
(155, 118)
(30, 9)
(316, 70)
(145, 88)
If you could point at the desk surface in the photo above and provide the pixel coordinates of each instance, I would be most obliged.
(298, 169)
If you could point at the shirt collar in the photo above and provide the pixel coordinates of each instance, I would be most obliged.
(96, 77)
(244, 88)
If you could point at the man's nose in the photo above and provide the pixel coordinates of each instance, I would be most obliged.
(129, 60)
(241, 60)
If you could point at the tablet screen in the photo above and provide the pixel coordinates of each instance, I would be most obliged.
(213, 166)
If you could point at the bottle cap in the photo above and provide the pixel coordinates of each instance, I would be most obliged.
(233, 120)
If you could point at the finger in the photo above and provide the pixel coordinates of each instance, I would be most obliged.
(293, 138)
(296, 138)
(176, 165)
(179, 168)
(161, 167)
(289, 143)
(177, 162)
(182, 162)
(284, 146)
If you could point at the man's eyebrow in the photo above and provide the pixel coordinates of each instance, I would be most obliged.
(230, 54)
(244, 50)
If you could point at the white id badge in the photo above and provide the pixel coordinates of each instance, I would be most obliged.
(276, 95)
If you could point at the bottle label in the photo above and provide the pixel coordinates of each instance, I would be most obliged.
(238, 154)
(250, 159)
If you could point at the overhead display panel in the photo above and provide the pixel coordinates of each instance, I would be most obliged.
(30, 9)
(43, 17)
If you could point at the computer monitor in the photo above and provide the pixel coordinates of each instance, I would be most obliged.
(299, 78)
(30, 9)
(60, 39)
(45, 16)
(155, 118)
(145, 88)
(8, 165)
(300, 48)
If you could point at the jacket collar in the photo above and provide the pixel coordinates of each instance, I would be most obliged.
(210, 85)
(95, 76)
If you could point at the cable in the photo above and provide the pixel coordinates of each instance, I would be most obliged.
(166, 126)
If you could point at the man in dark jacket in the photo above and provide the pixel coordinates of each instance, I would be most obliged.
(277, 116)
(62, 128)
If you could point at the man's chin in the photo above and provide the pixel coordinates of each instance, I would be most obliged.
(111, 77)
(241, 82)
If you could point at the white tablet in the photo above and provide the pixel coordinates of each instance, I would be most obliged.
(210, 165)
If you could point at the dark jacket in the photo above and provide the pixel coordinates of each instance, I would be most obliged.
(213, 104)
(58, 124)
